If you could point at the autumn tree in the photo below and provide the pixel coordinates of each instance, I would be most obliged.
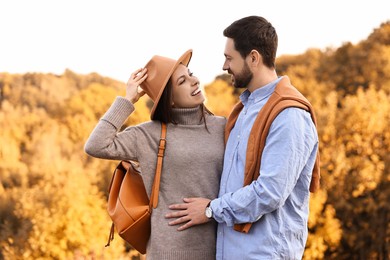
(361, 187)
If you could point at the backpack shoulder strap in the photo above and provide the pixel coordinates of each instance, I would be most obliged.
(160, 156)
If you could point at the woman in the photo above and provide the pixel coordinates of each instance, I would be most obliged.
(194, 150)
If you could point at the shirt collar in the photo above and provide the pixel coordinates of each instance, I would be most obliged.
(260, 93)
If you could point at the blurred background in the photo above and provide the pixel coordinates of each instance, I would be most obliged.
(62, 63)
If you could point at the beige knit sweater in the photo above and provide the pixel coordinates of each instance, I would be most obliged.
(192, 167)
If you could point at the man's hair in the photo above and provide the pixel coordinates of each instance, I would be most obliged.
(254, 33)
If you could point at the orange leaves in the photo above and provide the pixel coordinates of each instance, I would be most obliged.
(219, 97)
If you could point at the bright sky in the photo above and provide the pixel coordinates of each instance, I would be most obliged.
(115, 37)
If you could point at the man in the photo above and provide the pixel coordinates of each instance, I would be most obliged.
(270, 164)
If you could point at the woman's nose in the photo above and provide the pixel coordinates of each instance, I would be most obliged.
(195, 81)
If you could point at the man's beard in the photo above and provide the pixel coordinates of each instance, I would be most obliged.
(242, 79)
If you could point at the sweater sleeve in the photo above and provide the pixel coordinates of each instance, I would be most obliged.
(106, 142)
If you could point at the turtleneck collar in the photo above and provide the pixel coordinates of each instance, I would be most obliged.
(188, 116)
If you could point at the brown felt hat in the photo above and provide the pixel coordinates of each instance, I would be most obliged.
(160, 69)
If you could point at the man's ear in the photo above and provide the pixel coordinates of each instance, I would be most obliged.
(255, 57)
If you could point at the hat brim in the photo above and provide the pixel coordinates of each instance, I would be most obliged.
(184, 59)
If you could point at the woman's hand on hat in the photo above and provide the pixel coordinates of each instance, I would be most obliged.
(133, 89)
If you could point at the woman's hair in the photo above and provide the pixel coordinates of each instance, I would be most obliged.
(254, 33)
(164, 110)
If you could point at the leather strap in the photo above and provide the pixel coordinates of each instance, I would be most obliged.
(160, 156)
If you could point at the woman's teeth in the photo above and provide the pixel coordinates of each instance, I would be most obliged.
(195, 92)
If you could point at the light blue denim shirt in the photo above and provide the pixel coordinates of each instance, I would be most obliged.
(278, 202)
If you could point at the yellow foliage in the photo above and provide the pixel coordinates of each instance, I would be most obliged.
(219, 97)
(67, 214)
(363, 122)
(327, 227)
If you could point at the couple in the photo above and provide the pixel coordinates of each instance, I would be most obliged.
(249, 182)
